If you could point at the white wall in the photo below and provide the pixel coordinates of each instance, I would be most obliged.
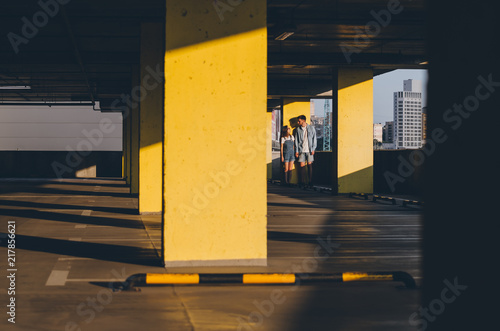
(59, 128)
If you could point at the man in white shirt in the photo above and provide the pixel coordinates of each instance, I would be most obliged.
(305, 147)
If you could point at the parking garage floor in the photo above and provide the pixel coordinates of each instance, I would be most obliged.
(75, 237)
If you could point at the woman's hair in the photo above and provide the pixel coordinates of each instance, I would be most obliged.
(284, 131)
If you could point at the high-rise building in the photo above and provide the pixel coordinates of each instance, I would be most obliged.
(408, 115)
(377, 132)
(388, 133)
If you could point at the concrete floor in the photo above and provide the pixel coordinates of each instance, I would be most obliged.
(74, 237)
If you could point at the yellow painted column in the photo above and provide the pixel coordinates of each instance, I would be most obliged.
(293, 108)
(355, 130)
(151, 118)
(215, 133)
(134, 134)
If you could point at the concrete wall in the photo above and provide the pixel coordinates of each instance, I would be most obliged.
(396, 167)
(59, 128)
(38, 164)
(388, 167)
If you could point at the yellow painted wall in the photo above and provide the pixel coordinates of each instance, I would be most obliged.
(355, 130)
(151, 120)
(215, 133)
(292, 108)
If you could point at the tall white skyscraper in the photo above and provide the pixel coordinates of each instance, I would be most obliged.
(408, 115)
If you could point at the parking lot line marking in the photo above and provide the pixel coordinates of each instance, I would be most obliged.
(57, 278)
(86, 212)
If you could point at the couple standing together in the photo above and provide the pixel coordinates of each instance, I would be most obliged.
(302, 145)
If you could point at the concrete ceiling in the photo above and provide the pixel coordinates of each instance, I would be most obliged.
(87, 50)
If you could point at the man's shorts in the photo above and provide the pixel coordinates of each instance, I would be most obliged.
(304, 156)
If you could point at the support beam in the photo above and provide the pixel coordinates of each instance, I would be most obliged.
(124, 148)
(134, 133)
(151, 119)
(127, 140)
(352, 134)
(215, 133)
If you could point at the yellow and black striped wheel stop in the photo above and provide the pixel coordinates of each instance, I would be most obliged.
(267, 279)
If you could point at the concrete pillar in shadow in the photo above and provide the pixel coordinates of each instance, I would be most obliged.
(462, 167)
(151, 118)
(134, 132)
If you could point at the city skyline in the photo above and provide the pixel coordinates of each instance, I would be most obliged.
(384, 87)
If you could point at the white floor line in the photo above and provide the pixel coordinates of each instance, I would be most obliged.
(81, 226)
(86, 212)
(57, 278)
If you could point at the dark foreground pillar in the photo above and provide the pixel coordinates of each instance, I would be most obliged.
(462, 168)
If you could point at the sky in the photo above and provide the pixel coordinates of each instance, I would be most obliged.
(385, 85)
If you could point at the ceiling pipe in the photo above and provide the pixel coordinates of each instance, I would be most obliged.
(47, 103)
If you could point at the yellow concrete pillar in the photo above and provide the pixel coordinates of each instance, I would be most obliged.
(215, 133)
(151, 119)
(134, 134)
(293, 108)
(354, 109)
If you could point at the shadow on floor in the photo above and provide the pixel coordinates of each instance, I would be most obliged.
(77, 219)
(104, 252)
(38, 205)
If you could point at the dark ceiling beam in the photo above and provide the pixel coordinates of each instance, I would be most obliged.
(52, 58)
(339, 59)
(325, 21)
